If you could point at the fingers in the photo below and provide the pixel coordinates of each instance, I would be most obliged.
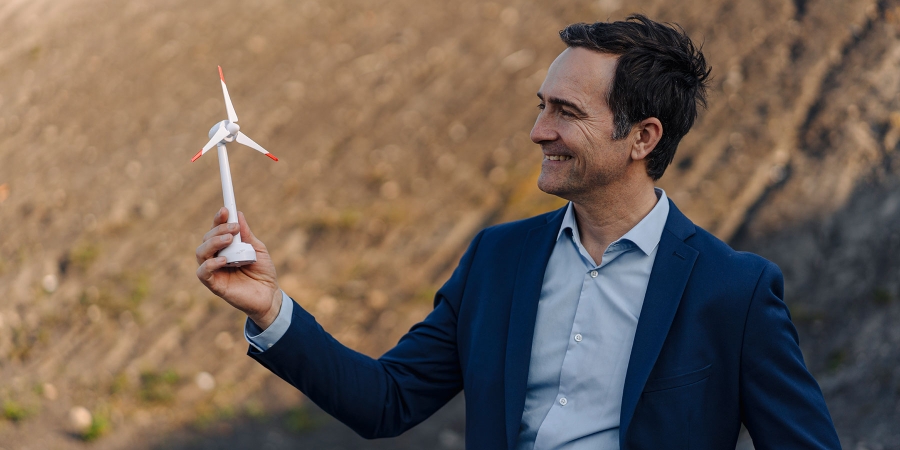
(206, 269)
(220, 217)
(225, 228)
(219, 237)
(211, 246)
(245, 227)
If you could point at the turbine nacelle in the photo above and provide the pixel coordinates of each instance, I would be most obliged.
(230, 127)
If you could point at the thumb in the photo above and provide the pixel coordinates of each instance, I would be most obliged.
(247, 235)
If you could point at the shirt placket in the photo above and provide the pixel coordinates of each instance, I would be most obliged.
(569, 400)
(567, 397)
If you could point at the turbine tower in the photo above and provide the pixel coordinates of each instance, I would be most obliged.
(238, 253)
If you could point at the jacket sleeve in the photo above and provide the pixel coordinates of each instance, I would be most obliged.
(781, 403)
(383, 397)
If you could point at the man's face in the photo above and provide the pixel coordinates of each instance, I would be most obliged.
(575, 126)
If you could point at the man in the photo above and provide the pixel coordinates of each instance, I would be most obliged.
(611, 323)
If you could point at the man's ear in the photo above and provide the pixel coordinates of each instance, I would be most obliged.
(647, 134)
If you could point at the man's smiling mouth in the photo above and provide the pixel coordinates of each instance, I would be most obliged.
(557, 157)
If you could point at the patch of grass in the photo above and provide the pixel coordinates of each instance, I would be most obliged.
(14, 412)
(22, 256)
(882, 296)
(225, 413)
(206, 416)
(35, 52)
(24, 341)
(99, 426)
(255, 410)
(83, 255)
(349, 218)
(140, 288)
(158, 387)
(801, 314)
(425, 295)
(119, 384)
(334, 220)
(836, 359)
(300, 420)
(203, 420)
(122, 292)
(209, 415)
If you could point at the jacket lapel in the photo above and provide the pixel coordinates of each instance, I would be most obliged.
(671, 270)
(536, 252)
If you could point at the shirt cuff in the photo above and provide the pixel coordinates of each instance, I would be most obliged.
(263, 340)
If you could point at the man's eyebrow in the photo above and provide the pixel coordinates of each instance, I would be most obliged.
(561, 101)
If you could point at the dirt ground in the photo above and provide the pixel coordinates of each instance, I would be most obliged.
(401, 129)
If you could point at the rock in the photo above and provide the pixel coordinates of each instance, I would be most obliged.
(50, 283)
(80, 418)
(224, 340)
(205, 381)
(94, 313)
(50, 392)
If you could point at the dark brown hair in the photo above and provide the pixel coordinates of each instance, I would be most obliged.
(660, 73)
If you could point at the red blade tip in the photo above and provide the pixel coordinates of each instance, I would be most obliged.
(200, 153)
(220, 74)
(272, 156)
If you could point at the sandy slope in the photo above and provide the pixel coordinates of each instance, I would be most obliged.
(402, 129)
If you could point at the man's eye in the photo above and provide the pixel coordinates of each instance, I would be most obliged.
(565, 113)
(541, 106)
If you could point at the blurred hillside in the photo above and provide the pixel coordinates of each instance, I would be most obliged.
(402, 129)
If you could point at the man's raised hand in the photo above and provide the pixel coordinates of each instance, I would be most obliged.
(253, 288)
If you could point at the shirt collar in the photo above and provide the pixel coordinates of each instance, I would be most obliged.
(645, 235)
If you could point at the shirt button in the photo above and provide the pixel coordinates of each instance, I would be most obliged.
(578, 337)
(594, 274)
(563, 401)
(269, 346)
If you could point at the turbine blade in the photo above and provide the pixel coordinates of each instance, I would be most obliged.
(243, 139)
(212, 142)
(232, 116)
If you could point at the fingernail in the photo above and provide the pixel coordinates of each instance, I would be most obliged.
(225, 237)
(232, 227)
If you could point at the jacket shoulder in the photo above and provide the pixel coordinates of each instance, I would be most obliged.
(721, 257)
(715, 250)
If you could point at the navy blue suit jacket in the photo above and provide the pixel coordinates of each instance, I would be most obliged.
(714, 347)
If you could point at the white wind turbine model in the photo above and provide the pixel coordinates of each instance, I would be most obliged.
(238, 253)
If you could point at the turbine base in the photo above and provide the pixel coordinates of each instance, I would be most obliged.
(238, 254)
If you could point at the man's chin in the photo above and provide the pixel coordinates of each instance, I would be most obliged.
(549, 187)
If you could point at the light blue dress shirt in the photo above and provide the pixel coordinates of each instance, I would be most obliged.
(586, 319)
(263, 340)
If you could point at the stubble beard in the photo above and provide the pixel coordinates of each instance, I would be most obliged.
(572, 186)
(549, 185)
(561, 182)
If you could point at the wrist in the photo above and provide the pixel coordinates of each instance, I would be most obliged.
(267, 317)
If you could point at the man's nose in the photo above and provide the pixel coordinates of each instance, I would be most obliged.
(543, 130)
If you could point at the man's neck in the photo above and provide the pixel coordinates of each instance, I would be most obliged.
(605, 218)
